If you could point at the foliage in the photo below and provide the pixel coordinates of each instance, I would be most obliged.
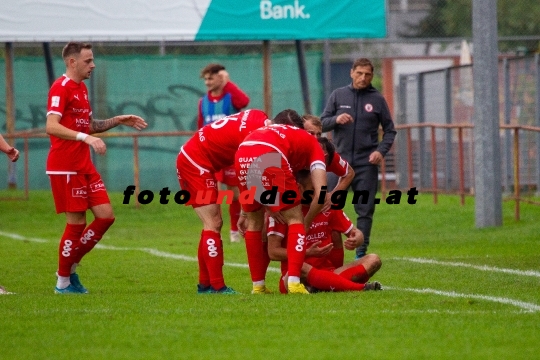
(453, 18)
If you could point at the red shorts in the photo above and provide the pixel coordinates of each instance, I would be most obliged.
(227, 176)
(262, 167)
(193, 179)
(76, 193)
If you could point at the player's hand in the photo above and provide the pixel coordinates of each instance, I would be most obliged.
(327, 202)
(134, 121)
(316, 251)
(13, 154)
(344, 118)
(97, 144)
(355, 238)
(242, 225)
(225, 78)
(375, 158)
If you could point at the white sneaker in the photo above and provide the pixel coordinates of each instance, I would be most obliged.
(235, 237)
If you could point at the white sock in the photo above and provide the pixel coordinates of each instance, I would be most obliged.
(259, 283)
(294, 280)
(62, 282)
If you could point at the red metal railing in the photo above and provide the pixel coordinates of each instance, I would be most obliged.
(408, 128)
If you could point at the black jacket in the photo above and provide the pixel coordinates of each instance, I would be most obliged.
(357, 140)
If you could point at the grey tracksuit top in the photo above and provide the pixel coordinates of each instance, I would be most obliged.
(357, 140)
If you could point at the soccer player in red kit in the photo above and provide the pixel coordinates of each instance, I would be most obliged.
(319, 270)
(211, 149)
(75, 183)
(267, 160)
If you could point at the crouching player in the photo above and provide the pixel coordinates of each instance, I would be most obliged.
(318, 271)
(268, 159)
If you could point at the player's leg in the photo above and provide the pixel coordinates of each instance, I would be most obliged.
(361, 270)
(70, 197)
(366, 178)
(257, 254)
(296, 249)
(327, 280)
(100, 205)
(211, 246)
(234, 213)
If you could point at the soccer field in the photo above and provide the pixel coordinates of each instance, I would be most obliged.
(451, 291)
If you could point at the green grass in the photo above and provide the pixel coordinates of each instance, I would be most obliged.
(144, 306)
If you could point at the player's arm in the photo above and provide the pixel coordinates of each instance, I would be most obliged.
(354, 239)
(345, 181)
(318, 179)
(134, 121)
(275, 250)
(239, 98)
(10, 151)
(54, 128)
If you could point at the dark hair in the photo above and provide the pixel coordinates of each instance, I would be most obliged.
(302, 176)
(73, 48)
(289, 117)
(212, 69)
(362, 62)
(328, 148)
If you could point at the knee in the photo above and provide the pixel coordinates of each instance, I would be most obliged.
(374, 262)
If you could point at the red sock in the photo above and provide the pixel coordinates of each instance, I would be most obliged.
(234, 214)
(296, 248)
(67, 250)
(204, 277)
(330, 281)
(257, 255)
(357, 274)
(336, 256)
(91, 236)
(212, 251)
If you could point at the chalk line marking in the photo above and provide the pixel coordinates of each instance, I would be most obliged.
(528, 307)
(21, 238)
(476, 267)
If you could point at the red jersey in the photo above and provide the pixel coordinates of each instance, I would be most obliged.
(320, 230)
(301, 149)
(213, 146)
(69, 100)
(338, 166)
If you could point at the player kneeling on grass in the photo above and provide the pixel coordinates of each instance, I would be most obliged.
(319, 271)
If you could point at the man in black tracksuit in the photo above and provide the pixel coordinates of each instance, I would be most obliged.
(354, 113)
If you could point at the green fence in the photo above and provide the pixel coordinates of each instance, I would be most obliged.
(162, 89)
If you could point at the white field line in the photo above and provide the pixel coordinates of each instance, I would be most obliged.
(21, 238)
(471, 266)
(170, 255)
(529, 307)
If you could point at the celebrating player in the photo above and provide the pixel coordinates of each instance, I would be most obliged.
(319, 270)
(223, 98)
(75, 183)
(267, 160)
(211, 149)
